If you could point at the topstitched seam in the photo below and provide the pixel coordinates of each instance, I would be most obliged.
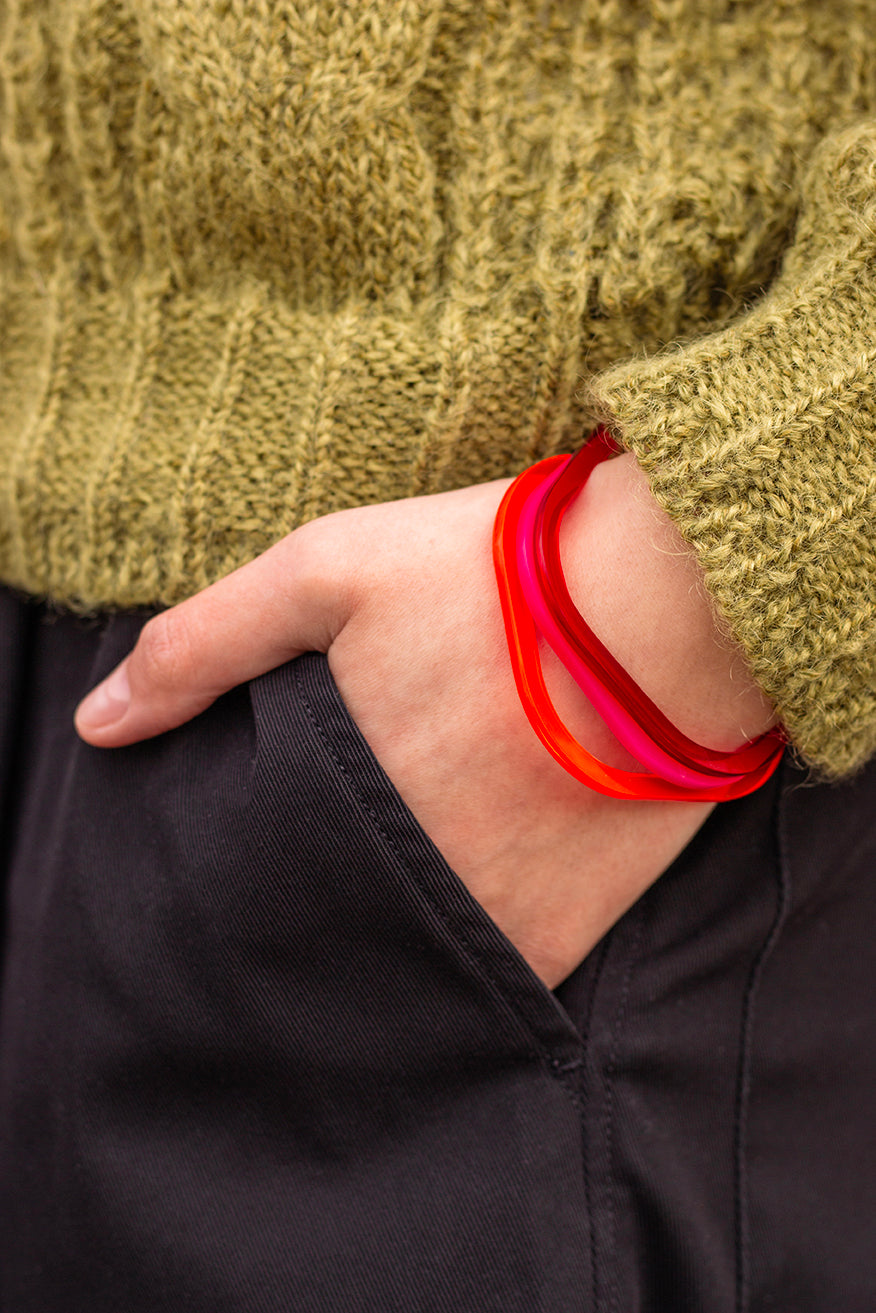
(562, 1071)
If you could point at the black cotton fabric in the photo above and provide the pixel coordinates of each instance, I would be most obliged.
(261, 1050)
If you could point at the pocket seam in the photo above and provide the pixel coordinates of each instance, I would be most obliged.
(565, 1071)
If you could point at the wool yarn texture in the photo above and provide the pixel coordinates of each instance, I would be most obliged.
(259, 262)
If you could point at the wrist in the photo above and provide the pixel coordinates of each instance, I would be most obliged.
(642, 591)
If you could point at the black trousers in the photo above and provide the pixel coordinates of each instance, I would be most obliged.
(260, 1049)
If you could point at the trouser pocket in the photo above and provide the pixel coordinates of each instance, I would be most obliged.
(260, 1049)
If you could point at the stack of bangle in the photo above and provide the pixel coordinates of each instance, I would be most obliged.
(536, 602)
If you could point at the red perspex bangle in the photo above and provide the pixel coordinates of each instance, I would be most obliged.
(536, 603)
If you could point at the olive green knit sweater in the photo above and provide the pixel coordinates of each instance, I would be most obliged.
(260, 259)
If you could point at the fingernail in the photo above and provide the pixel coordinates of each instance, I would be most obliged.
(107, 703)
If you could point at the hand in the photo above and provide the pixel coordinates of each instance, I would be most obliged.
(403, 599)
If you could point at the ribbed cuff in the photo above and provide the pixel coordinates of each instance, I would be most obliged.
(760, 443)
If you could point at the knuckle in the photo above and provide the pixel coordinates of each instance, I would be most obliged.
(165, 650)
(321, 551)
(316, 539)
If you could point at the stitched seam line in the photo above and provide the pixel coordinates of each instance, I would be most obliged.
(586, 1145)
(743, 1086)
(608, 1122)
(562, 1071)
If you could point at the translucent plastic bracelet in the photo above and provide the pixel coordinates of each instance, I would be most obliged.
(536, 602)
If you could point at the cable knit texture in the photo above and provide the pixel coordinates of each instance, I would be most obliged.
(263, 259)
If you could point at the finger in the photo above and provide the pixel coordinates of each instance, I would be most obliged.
(262, 615)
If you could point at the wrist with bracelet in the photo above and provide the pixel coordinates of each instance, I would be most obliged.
(536, 604)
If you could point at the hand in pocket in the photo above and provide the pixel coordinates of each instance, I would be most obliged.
(403, 599)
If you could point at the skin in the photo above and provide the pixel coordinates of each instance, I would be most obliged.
(403, 599)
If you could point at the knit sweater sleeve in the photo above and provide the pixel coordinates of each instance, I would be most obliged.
(760, 442)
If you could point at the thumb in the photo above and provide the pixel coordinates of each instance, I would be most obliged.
(264, 614)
